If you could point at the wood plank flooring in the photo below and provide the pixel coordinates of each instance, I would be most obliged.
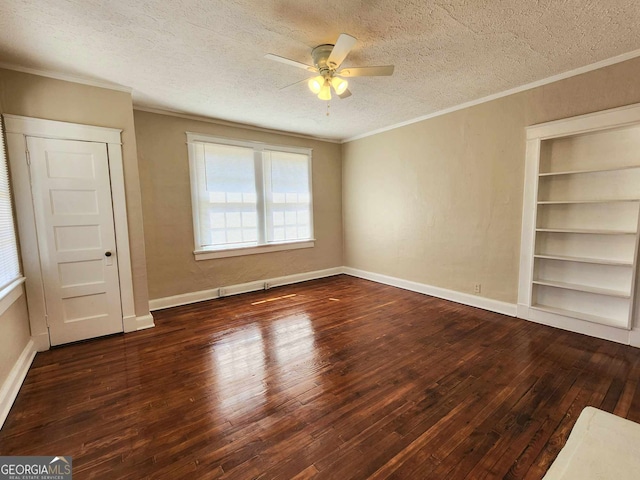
(335, 379)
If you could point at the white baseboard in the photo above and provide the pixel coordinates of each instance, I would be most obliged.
(225, 291)
(634, 338)
(144, 322)
(458, 297)
(522, 311)
(133, 323)
(11, 386)
(129, 323)
(497, 306)
(41, 342)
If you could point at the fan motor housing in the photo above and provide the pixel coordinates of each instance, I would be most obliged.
(320, 55)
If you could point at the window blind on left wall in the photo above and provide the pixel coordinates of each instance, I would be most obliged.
(9, 263)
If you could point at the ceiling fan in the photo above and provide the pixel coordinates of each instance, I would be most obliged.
(327, 60)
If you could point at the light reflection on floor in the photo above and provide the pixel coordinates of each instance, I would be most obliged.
(240, 370)
(245, 359)
(293, 339)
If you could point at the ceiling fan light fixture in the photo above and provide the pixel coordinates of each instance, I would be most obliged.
(315, 84)
(327, 65)
(325, 91)
(339, 85)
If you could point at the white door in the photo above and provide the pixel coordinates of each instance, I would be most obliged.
(76, 238)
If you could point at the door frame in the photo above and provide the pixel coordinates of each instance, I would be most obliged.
(17, 129)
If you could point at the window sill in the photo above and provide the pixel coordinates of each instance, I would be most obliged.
(237, 252)
(11, 293)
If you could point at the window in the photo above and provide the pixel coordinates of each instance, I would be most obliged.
(9, 265)
(249, 197)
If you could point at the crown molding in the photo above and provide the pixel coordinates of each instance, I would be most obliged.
(225, 123)
(539, 83)
(67, 78)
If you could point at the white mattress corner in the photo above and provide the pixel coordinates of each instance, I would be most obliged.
(601, 446)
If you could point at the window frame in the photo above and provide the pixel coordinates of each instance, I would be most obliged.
(205, 253)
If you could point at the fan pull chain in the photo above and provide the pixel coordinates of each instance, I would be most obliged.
(328, 107)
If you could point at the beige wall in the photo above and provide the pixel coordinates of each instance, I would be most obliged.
(41, 97)
(14, 336)
(440, 201)
(166, 200)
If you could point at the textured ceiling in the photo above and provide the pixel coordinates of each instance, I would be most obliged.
(206, 57)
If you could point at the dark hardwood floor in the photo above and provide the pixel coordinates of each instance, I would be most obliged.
(336, 378)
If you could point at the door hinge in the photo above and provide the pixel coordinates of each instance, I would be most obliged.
(46, 319)
(28, 157)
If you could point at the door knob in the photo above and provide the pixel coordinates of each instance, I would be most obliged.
(107, 254)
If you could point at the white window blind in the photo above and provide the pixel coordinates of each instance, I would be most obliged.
(229, 215)
(288, 201)
(9, 265)
(247, 194)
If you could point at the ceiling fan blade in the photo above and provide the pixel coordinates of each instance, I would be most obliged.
(294, 83)
(288, 61)
(381, 71)
(341, 49)
(345, 94)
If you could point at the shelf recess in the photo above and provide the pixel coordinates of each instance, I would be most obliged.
(582, 316)
(597, 261)
(586, 231)
(581, 202)
(595, 170)
(583, 288)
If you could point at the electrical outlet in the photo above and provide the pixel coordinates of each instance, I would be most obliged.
(221, 292)
(267, 285)
(477, 288)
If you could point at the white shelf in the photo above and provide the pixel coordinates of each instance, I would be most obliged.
(582, 316)
(584, 231)
(580, 202)
(597, 261)
(594, 170)
(583, 288)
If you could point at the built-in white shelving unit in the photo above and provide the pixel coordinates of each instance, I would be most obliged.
(580, 222)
